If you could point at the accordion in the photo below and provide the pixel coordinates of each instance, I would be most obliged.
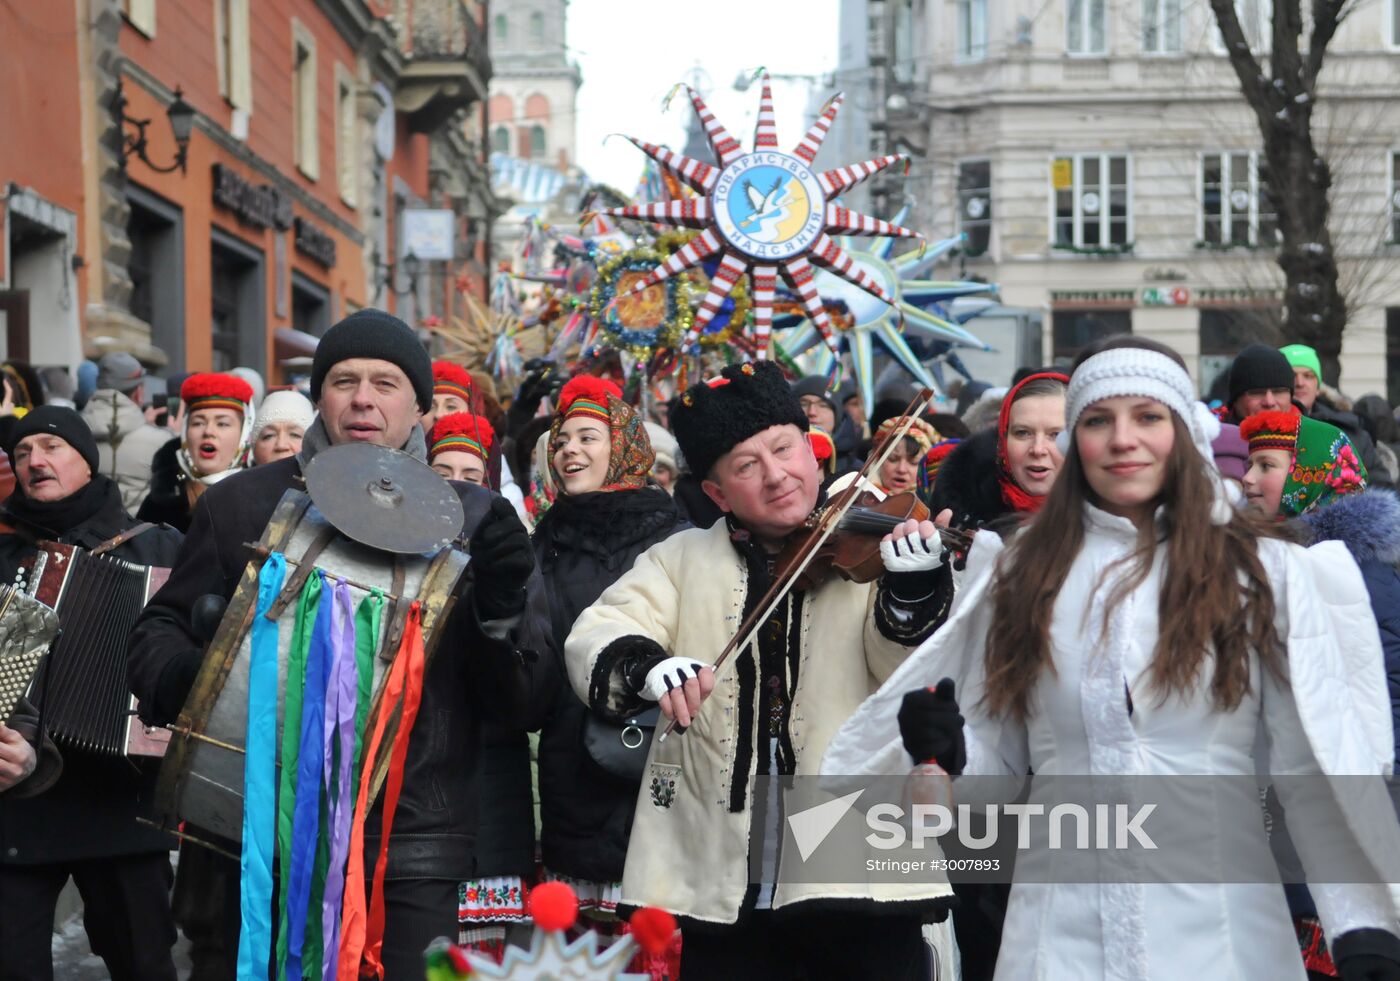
(26, 629)
(81, 688)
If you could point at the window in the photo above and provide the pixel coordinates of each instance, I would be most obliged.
(975, 205)
(903, 66)
(1256, 18)
(1074, 330)
(502, 27)
(141, 14)
(1395, 195)
(233, 53)
(500, 140)
(346, 144)
(1236, 208)
(1222, 332)
(1091, 201)
(1087, 23)
(537, 144)
(304, 136)
(537, 28)
(972, 30)
(1392, 32)
(1161, 26)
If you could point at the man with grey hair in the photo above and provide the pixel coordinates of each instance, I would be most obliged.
(126, 442)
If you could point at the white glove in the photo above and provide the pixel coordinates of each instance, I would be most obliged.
(670, 673)
(912, 553)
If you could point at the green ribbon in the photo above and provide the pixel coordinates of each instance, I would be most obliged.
(366, 643)
(291, 743)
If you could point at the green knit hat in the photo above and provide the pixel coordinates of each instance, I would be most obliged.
(1302, 356)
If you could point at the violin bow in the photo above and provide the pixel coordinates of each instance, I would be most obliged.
(828, 523)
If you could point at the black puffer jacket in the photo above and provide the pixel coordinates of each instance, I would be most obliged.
(472, 676)
(967, 483)
(92, 811)
(583, 546)
(167, 502)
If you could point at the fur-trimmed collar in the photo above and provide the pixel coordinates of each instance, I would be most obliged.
(1368, 524)
(967, 482)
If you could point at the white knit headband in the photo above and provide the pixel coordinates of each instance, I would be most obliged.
(1127, 371)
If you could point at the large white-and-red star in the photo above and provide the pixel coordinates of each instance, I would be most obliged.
(765, 213)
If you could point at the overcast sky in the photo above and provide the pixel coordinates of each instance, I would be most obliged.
(632, 51)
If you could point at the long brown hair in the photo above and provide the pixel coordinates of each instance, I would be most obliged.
(1215, 597)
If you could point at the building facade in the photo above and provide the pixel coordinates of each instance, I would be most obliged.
(530, 117)
(316, 127)
(1107, 170)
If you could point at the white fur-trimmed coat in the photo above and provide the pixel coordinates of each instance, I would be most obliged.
(1332, 716)
(689, 852)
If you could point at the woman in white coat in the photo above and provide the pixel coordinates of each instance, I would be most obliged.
(1140, 625)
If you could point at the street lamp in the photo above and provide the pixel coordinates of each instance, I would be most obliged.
(181, 115)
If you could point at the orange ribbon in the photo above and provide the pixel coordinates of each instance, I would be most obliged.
(361, 935)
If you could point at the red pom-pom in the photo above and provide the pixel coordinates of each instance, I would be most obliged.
(589, 387)
(462, 424)
(822, 446)
(553, 906)
(448, 374)
(1271, 423)
(652, 928)
(210, 385)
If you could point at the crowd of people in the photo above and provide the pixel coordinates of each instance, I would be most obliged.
(1140, 597)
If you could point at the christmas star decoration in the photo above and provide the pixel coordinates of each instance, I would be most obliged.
(767, 213)
(915, 303)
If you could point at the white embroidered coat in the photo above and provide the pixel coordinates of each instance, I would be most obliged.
(1331, 716)
(688, 852)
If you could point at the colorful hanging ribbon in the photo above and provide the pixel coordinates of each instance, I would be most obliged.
(260, 781)
(362, 935)
(340, 760)
(304, 624)
(306, 816)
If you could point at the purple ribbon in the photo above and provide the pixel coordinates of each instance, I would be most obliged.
(341, 692)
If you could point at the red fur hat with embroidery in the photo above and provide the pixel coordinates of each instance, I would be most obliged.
(452, 379)
(1271, 431)
(213, 390)
(587, 395)
(461, 431)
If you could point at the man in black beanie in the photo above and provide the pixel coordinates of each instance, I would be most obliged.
(1261, 380)
(770, 712)
(85, 826)
(372, 380)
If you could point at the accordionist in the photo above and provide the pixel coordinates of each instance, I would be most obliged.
(86, 825)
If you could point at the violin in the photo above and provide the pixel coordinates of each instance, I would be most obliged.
(852, 550)
(860, 555)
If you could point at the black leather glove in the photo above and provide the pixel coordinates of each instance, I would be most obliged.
(539, 381)
(502, 561)
(173, 686)
(932, 727)
(1367, 955)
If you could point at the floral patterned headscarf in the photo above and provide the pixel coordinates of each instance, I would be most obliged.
(1325, 463)
(630, 457)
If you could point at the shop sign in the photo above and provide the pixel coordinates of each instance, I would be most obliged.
(262, 206)
(314, 243)
(1175, 296)
(1092, 299)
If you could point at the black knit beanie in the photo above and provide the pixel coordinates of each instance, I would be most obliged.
(371, 333)
(59, 421)
(815, 385)
(1259, 366)
(712, 417)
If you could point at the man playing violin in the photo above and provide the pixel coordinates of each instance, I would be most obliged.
(770, 710)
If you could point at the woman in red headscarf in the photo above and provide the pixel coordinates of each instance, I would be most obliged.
(1009, 470)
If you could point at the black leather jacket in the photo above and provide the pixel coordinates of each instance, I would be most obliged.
(477, 671)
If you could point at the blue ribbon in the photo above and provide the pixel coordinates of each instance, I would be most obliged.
(306, 816)
(260, 781)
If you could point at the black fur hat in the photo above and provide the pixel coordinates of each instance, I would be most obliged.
(711, 418)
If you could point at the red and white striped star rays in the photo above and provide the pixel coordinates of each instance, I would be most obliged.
(765, 213)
